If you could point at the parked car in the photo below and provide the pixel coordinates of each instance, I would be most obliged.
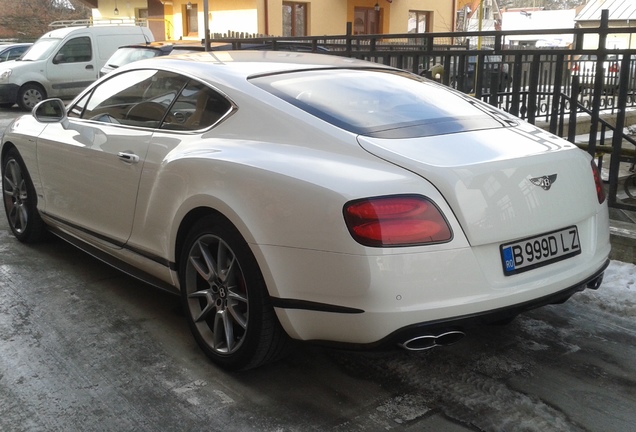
(295, 46)
(309, 197)
(130, 53)
(63, 62)
(461, 70)
(491, 64)
(13, 51)
(585, 68)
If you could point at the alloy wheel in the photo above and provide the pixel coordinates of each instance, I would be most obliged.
(216, 293)
(15, 196)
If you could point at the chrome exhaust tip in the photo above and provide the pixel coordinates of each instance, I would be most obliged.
(595, 283)
(425, 342)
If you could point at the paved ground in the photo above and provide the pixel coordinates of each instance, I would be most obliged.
(85, 348)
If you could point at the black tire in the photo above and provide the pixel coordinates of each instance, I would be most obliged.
(29, 95)
(20, 200)
(225, 299)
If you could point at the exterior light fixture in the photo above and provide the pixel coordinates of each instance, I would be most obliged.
(189, 6)
(116, 11)
(377, 7)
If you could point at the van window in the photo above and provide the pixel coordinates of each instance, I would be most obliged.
(75, 50)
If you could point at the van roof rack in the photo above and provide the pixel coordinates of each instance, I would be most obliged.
(92, 23)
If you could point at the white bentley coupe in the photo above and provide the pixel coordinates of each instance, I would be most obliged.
(309, 197)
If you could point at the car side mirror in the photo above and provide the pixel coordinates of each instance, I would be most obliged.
(51, 111)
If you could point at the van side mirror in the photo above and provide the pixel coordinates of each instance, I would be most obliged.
(51, 111)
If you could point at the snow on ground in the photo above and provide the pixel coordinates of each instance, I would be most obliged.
(617, 294)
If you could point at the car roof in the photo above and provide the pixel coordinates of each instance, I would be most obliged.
(151, 46)
(164, 47)
(13, 45)
(243, 64)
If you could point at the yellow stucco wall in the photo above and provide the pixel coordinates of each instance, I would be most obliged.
(443, 14)
(395, 15)
(126, 9)
(325, 17)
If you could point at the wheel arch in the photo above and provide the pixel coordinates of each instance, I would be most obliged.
(5, 149)
(184, 228)
(190, 218)
(35, 83)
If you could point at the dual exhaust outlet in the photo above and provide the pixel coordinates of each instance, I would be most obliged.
(449, 337)
(425, 342)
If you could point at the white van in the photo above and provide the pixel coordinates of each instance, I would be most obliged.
(63, 62)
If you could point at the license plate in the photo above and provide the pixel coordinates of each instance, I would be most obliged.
(533, 252)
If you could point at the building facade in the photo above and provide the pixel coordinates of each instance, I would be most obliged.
(185, 19)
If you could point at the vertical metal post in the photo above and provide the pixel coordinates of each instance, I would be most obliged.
(535, 70)
(556, 93)
(348, 40)
(516, 85)
(617, 138)
(599, 80)
(206, 25)
(574, 108)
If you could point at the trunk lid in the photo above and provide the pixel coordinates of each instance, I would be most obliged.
(502, 184)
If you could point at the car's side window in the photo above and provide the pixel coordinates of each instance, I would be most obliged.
(12, 53)
(17, 53)
(135, 98)
(197, 107)
(75, 50)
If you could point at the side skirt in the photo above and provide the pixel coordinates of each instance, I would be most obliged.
(114, 262)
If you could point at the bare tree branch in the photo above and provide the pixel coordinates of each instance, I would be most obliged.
(29, 19)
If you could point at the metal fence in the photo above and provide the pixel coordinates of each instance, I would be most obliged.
(558, 87)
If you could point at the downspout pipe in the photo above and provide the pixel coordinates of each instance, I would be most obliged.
(266, 13)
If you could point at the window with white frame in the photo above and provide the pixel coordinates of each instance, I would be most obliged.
(419, 21)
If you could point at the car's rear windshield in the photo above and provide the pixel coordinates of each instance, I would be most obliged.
(381, 103)
(130, 54)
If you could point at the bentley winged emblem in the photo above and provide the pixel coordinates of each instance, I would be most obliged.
(544, 182)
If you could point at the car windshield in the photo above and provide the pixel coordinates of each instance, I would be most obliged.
(130, 54)
(383, 104)
(41, 49)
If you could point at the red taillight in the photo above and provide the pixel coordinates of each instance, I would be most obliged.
(396, 221)
(600, 190)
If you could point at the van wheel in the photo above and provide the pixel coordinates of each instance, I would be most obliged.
(29, 96)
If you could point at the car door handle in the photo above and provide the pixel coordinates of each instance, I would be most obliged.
(89, 67)
(130, 158)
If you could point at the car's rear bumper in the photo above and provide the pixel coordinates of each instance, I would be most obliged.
(356, 329)
(360, 300)
(495, 316)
